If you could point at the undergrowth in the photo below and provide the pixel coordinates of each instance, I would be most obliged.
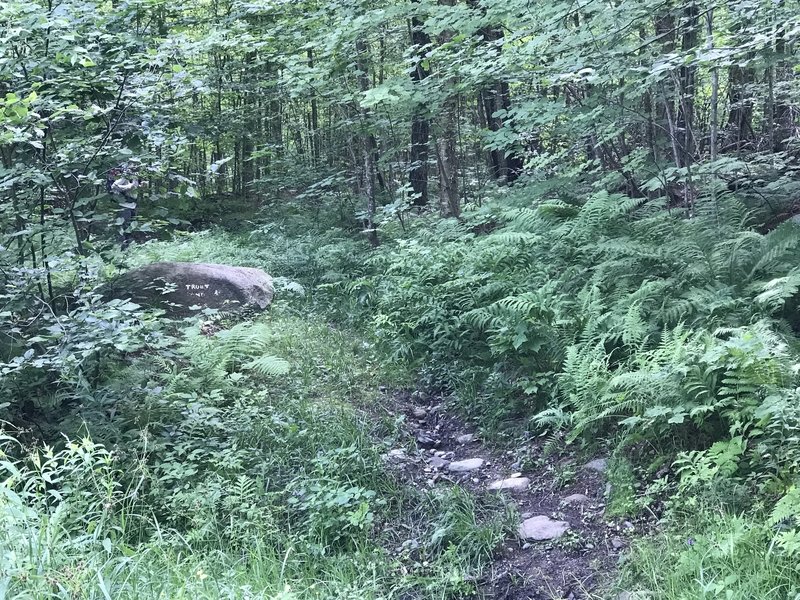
(231, 460)
(605, 318)
(232, 463)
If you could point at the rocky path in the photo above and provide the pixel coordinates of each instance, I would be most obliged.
(564, 546)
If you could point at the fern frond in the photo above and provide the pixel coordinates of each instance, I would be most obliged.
(776, 292)
(268, 365)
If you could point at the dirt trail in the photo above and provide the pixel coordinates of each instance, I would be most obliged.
(579, 563)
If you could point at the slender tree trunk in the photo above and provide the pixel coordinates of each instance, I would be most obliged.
(740, 79)
(687, 75)
(665, 33)
(313, 124)
(488, 99)
(420, 122)
(713, 118)
(740, 118)
(368, 146)
(514, 162)
(504, 165)
(446, 143)
(784, 111)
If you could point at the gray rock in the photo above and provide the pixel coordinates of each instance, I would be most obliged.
(617, 543)
(467, 438)
(463, 466)
(542, 528)
(409, 545)
(419, 413)
(425, 441)
(176, 286)
(634, 596)
(598, 465)
(397, 454)
(515, 484)
(576, 499)
(438, 462)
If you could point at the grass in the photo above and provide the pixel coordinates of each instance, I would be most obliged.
(708, 554)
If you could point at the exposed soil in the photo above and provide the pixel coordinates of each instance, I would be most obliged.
(578, 565)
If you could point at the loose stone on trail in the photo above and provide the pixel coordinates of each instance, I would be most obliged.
(514, 484)
(467, 438)
(634, 596)
(425, 441)
(464, 466)
(542, 528)
(576, 499)
(397, 454)
(598, 465)
(437, 462)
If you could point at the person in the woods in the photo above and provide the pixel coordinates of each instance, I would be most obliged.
(124, 184)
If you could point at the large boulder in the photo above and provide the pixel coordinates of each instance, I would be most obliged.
(179, 288)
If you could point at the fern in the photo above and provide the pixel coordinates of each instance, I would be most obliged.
(242, 347)
(268, 365)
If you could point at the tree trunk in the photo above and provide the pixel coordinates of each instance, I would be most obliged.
(504, 165)
(368, 146)
(686, 75)
(665, 33)
(446, 146)
(740, 118)
(784, 111)
(714, 109)
(420, 123)
(740, 80)
(313, 123)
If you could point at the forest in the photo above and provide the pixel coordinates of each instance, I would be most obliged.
(522, 306)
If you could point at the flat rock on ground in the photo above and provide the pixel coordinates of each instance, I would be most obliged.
(463, 466)
(542, 528)
(437, 462)
(574, 499)
(598, 465)
(514, 484)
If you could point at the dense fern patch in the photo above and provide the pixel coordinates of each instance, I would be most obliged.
(612, 318)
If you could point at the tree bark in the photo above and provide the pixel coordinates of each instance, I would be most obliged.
(313, 123)
(740, 118)
(740, 78)
(420, 122)
(494, 97)
(714, 108)
(784, 111)
(368, 146)
(687, 73)
(446, 147)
